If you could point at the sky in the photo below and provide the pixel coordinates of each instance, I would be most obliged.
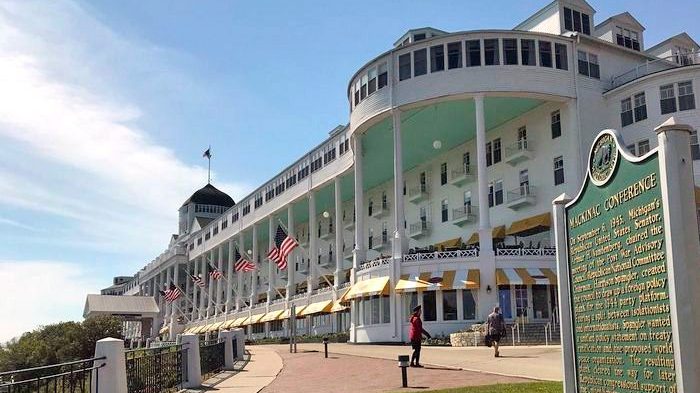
(107, 106)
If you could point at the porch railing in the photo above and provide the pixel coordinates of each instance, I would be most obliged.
(160, 369)
(71, 377)
(211, 357)
(519, 252)
(427, 256)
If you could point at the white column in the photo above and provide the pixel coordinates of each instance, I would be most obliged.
(291, 266)
(360, 252)
(573, 160)
(239, 275)
(270, 265)
(400, 243)
(254, 273)
(176, 306)
(312, 278)
(187, 288)
(112, 377)
(227, 336)
(563, 292)
(229, 277)
(194, 368)
(202, 295)
(168, 306)
(337, 276)
(219, 283)
(195, 291)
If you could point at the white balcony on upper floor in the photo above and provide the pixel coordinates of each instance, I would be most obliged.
(380, 210)
(520, 151)
(347, 254)
(521, 197)
(327, 231)
(462, 176)
(419, 193)
(380, 242)
(419, 229)
(464, 215)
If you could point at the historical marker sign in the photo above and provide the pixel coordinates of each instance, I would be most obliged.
(621, 316)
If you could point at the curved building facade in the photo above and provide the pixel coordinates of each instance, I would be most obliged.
(438, 190)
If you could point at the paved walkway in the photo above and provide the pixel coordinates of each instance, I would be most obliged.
(260, 371)
(535, 362)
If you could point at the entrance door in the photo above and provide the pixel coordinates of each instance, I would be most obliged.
(540, 301)
(504, 301)
(521, 301)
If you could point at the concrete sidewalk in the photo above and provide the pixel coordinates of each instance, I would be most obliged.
(534, 362)
(260, 371)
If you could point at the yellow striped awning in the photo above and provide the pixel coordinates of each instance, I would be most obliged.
(456, 242)
(228, 324)
(445, 280)
(164, 330)
(272, 316)
(697, 195)
(288, 311)
(240, 321)
(199, 329)
(318, 307)
(255, 319)
(525, 276)
(214, 326)
(498, 232)
(338, 307)
(371, 287)
(531, 225)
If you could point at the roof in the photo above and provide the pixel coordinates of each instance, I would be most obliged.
(624, 17)
(210, 195)
(681, 37)
(419, 29)
(120, 305)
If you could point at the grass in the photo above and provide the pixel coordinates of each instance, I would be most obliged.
(535, 387)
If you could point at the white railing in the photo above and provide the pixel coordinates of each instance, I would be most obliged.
(660, 64)
(428, 256)
(515, 329)
(523, 191)
(465, 170)
(419, 227)
(519, 146)
(344, 285)
(464, 211)
(417, 191)
(298, 296)
(519, 252)
(547, 333)
(374, 263)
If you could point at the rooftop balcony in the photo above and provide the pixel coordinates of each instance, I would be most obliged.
(418, 194)
(462, 176)
(519, 151)
(464, 215)
(380, 210)
(419, 229)
(521, 197)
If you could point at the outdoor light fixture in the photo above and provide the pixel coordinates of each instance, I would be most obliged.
(437, 144)
(250, 251)
(326, 214)
(488, 289)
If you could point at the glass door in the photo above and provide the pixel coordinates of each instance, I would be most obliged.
(540, 301)
(504, 301)
(521, 302)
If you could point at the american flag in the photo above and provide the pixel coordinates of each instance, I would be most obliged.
(172, 293)
(242, 263)
(197, 281)
(284, 244)
(214, 272)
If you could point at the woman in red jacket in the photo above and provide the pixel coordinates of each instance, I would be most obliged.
(415, 335)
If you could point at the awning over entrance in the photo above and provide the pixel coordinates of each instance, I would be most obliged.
(452, 243)
(318, 307)
(531, 225)
(432, 281)
(371, 287)
(522, 276)
(272, 316)
(498, 233)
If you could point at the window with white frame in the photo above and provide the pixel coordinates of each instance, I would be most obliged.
(528, 53)
(577, 21)
(643, 147)
(694, 145)
(497, 150)
(444, 213)
(686, 97)
(640, 107)
(473, 53)
(588, 64)
(510, 51)
(491, 52)
(383, 77)
(449, 305)
(668, 99)
(626, 114)
(405, 66)
(372, 84)
(561, 59)
(454, 55)
(420, 62)
(558, 170)
(437, 58)
(545, 54)
(443, 173)
(627, 38)
(556, 124)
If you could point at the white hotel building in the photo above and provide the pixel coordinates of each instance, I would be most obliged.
(439, 189)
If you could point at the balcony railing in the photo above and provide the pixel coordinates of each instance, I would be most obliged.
(521, 196)
(462, 176)
(519, 151)
(429, 256)
(418, 193)
(419, 229)
(521, 252)
(660, 64)
(380, 210)
(327, 232)
(464, 215)
(349, 224)
(381, 242)
(374, 263)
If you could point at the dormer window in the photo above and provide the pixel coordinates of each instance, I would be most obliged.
(577, 21)
(418, 37)
(627, 38)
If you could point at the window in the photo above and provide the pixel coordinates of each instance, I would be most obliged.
(626, 116)
(363, 87)
(577, 21)
(385, 233)
(234, 217)
(568, 22)
(410, 301)
(467, 199)
(640, 107)
(454, 55)
(588, 64)
(593, 65)
(586, 24)
(489, 156)
(528, 53)
(437, 58)
(495, 193)
(216, 231)
(546, 54)
(686, 98)
(429, 306)
(246, 209)
(207, 236)
(465, 162)
(385, 202)
(694, 145)
(383, 78)
(444, 210)
(420, 62)
(468, 304)
(491, 52)
(556, 124)
(510, 51)
(643, 147)
(370, 238)
(562, 62)
(386, 309)
(357, 92)
(632, 149)
(199, 241)
(524, 182)
(449, 305)
(405, 66)
(370, 207)
(443, 173)
(473, 53)
(418, 37)
(558, 170)
(497, 150)
(627, 38)
(372, 85)
(375, 309)
(668, 99)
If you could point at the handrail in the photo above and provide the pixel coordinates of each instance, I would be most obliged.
(542, 251)
(643, 69)
(513, 329)
(424, 256)
(547, 333)
(522, 191)
(51, 366)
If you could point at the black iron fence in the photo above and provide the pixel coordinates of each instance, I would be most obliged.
(211, 357)
(156, 370)
(71, 377)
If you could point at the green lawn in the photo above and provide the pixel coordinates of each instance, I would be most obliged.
(535, 387)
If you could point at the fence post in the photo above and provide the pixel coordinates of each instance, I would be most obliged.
(239, 334)
(227, 336)
(194, 367)
(112, 377)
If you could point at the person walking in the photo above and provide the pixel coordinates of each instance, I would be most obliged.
(415, 336)
(495, 328)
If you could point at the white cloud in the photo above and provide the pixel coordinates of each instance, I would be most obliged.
(38, 293)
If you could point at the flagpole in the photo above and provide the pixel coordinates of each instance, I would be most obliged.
(209, 172)
(180, 311)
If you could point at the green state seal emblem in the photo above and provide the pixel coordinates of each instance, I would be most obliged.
(604, 156)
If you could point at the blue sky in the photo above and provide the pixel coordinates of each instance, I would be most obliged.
(106, 107)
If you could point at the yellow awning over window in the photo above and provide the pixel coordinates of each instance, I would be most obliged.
(240, 321)
(272, 316)
(318, 307)
(498, 232)
(531, 225)
(255, 319)
(200, 329)
(445, 280)
(371, 287)
(525, 276)
(228, 324)
(164, 330)
(338, 307)
(288, 311)
(214, 326)
(452, 243)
